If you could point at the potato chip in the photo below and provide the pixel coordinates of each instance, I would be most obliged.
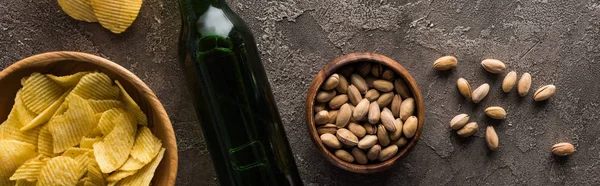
(70, 80)
(77, 122)
(144, 175)
(62, 109)
(146, 145)
(23, 80)
(107, 121)
(30, 169)
(114, 149)
(45, 145)
(83, 161)
(78, 9)
(10, 130)
(116, 15)
(46, 114)
(132, 164)
(89, 142)
(97, 86)
(119, 175)
(88, 183)
(103, 105)
(12, 155)
(74, 152)
(59, 170)
(39, 92)
(22, 114)
(132, 107)
(25, 183)
(111, 183)
(96, 176)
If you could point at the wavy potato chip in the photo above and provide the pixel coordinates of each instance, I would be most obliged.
(107, 121)
(132, 107)
(132, 164)
(78, 9)
(23, 80)
(74, 152)
(144, 175)
(30, 169)
(39, 92)
(12, 155)
(112, 152)
(69, 80)
(103, 105)
(77, 122)
(119, 175)
(146, 145)
(89, 142)
(10, 130)
(116, 15)
(97, 86)
(59, 170)
(83, 161)
(22, 114)
(46, 114)
(25, 183)
(45, 145)
(95, 175)
(62, 109)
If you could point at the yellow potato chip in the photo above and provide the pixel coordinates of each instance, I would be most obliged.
(78, 9)
(23, 80)
(107, 121)
(97, 86)
(30, 169)
(144, 175)
(96, 176)
(59, 170)
(89, 142)
(81, 182)
(74, 152)
(22, 114)
(114, 149)
(146, 145)
(12, 155)
(45, 145)
(46, 114)
(132, 164)
(111, 183)
(10, 130)
(77, 122)
(103, 105)
(70, 80)
(39, 92)
(116, 15)
(88, 183)
(83, 161)
(25, 183)
(119, 175)
(132, 107)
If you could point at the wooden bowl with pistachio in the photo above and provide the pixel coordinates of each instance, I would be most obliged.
(363, 112)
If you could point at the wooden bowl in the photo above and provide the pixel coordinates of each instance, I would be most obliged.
(65, 63)
(333, 67)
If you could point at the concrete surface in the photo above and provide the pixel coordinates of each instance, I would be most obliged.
(558, 42)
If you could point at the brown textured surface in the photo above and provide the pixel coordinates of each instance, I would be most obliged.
(556, 41)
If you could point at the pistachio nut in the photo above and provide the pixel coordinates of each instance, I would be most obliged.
(338, 101)
(401, 88)
(332, 116)
(367, 142)
(357, 130)
(374, 113)
(468, 130)
(331, 82)
(410, 126)
(346, 70)
(344, 155)
(480, 92)
(385, 99)
(509, 81)
(354, 95)
(369, 128)
(382, 136)
(491, 138)
(401, 142)
(364, 69)
(343, 116)
(327, 128)
(373, 152)
(361, 110)
(320, 106)
(563, 149)
(330, 141)
(383, 85)
(342, 87)
(464, 87)
(445, 63)
(377, 70)
(372, 95)
(321, 117)
(398, 133)
(524, 84)
(346, 137)
(388, 153)
(370, 80)
(359, 156)
(388, 74)
(544, 92)
(387, 120)
(459, 121)
(495, 112)
(407, 108)
(359, 82)
(493, 66)
(325, 95)
(395, 107)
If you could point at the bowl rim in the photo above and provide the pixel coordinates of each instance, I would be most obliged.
(145, 91)
(333, 67)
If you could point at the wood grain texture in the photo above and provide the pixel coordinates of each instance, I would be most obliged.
(64, 63)
(333, 67)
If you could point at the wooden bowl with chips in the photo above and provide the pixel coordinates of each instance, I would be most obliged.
(66, 63)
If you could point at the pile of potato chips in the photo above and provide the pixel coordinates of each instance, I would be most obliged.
(114, 15)
(79, 129)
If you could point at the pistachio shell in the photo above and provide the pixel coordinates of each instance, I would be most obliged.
(359, 156)
(359, 82)
(383, 85)
(370, 129)
(495, 112)
(321, 117)
(357, 130)
(464, 87)
(361, 110)
(343, 116)
(354, 95)
(346, 137)
(377, 70)
(364, 69)
(367, 142)
(524, 84)
(398, 133)
(319, 107)
(468, 130)
(388, 74)
(342, 87)
(407, 108)
(544, 93)
(373, 152)
(344, 155)
(395, 107)
(387, 120)
(370, 80)
(388, 153)
(330, 141)
(445, 63)
(401, 142)
(509, 81)
(346, 70)
(372, 95)
(459, 121)
(401, 88)
(410, 127)
(563, 149)
(327, 128)
(493, 66)
(374, 113)
(332, 116)
(385, 99)
(338, 101)
(382, 136)
(325, 95)
(491, 138)
(331, 82)
(480, 92)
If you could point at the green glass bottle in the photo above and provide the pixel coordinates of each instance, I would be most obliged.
(232, 97)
